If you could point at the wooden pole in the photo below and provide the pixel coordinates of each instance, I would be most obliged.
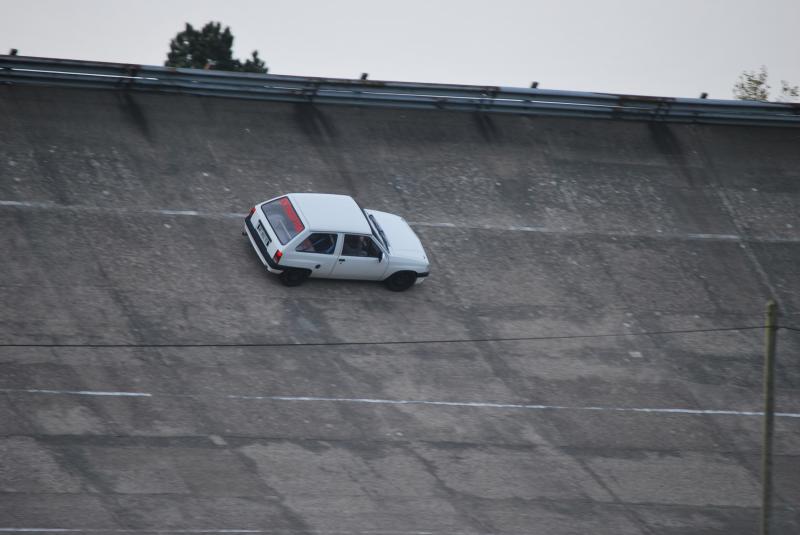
(769, 415)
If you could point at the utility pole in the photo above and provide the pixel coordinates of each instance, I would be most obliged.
(769, 415)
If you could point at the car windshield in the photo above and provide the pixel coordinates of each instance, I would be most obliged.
(283, 219)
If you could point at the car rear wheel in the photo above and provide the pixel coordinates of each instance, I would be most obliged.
(294, 277)
(402, 280)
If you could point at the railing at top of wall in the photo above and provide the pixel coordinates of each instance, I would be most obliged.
(20, 70)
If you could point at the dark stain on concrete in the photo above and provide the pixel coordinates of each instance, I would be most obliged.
(134, 113)
(487, 127)
(670, 147)
(314, 123)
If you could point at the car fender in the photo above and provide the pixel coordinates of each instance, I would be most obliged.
(402, 264)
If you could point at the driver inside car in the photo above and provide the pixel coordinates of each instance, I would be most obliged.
(355, 246)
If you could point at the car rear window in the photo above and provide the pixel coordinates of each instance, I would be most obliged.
(283, 219)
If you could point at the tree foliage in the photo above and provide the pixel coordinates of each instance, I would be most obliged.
(753, 85)
(788, 92)
(209, 48)
(254, 64)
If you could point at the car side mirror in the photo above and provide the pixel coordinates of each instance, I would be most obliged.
(380, 256)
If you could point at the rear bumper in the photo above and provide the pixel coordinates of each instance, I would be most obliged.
(260, 248)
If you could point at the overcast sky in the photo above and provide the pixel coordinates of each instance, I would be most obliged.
(674, 48)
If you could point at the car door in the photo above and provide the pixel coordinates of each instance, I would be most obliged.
(316, 252)
(360, 258)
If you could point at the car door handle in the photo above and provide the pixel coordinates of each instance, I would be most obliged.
(341, 260)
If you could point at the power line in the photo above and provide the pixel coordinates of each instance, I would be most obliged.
(385, 342)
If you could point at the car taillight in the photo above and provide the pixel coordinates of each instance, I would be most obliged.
(277, 257)
(252, 210)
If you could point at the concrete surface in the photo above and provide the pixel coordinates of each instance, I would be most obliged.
(120, 225)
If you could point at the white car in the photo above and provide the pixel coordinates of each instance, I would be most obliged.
(301, 235)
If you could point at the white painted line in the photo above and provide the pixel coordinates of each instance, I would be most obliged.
(430, 224)
(102, 530)
(434, 225)
(25, 204)
(107, 210)
(41, 530)
(577, 232)
(78, 392)
(221, 530)
(477, 404)
(733, 237)
(157, 531)
(179, 212)
(378, 401)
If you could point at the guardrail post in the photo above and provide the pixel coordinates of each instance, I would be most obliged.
(769, 415)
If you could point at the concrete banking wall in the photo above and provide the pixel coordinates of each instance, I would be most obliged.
(120, 225)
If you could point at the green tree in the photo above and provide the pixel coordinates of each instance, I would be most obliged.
(254, 64)
(209, 48)
(788, 92)
(753, 85)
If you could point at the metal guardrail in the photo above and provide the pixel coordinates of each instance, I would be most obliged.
(20, 70)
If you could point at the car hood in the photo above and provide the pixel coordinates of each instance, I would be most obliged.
(403, 241)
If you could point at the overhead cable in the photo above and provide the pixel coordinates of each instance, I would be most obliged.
(134, 345)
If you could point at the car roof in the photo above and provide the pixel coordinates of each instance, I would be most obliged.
(330, 212)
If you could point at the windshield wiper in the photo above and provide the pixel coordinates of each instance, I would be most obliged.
(380, 230)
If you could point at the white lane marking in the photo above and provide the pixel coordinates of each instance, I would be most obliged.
(220, 530)
(28, 204)
(102, 210)
(432, 224)
(98, 530)
(265, 531)
(378, 401)
(180, 212)
(489, 405)
(713, 236)
(578, 232)
(78, 392)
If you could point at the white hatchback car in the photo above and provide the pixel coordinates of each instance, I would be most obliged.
(301, 235)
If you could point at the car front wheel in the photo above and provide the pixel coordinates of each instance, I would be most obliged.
(293, 277)
(402, 280)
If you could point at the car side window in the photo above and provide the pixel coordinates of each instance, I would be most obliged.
(358, 245)
(318, 242)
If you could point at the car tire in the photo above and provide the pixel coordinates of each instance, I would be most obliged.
(402, 280)
(294, 277)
